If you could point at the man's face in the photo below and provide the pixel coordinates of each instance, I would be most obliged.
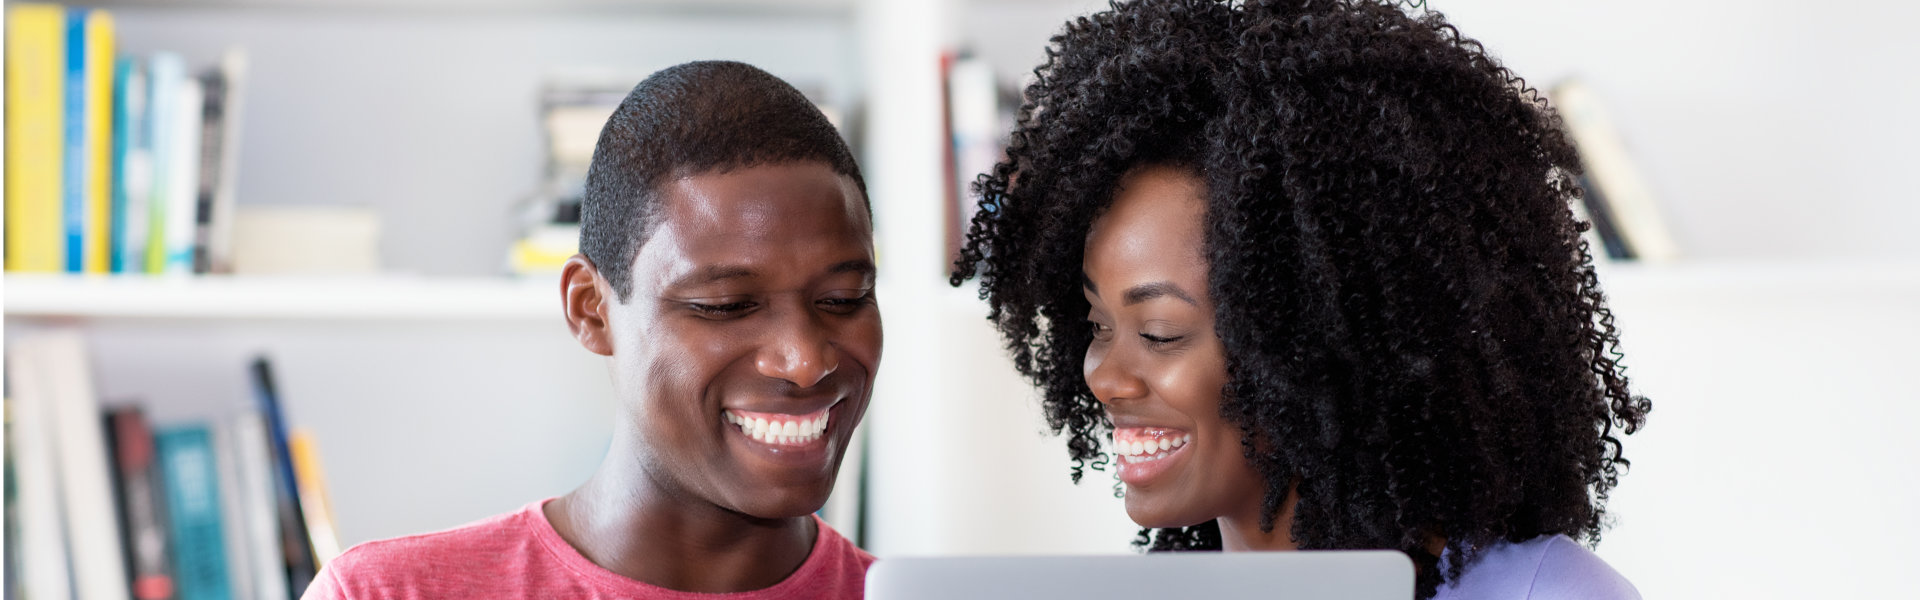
(746, 353)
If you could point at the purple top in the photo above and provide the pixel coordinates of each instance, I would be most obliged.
(1547, 568)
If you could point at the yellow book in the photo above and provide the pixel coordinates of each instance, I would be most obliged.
(311, 483)
(36, 62)
(99, 116)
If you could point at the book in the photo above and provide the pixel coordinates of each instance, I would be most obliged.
(36, 65)
(141, 508)
(96, 122)
(10, 531)
(74, 201)
(54, 374)
(42, 547)
(1628, 205)
(193, 512)
(182, 167)
(220, 149)
(294, 541)
(314, 502)
(132, 166)
(233, 518)
(166, 74)
(259, 506)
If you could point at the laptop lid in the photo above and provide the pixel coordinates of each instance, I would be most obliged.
(1324, 575)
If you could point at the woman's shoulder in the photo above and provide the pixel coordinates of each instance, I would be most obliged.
(1552, 567)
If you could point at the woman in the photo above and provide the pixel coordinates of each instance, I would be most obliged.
(1309, 270)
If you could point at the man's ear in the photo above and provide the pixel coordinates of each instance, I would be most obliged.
(586, 298)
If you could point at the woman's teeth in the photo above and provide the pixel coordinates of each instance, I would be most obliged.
(1149, 450)
(790, 431)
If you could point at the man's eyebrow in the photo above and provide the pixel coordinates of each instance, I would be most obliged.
(859, 266)
(1148, 291)
(714, 273)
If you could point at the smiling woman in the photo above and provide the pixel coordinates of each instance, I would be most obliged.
(1310, 270)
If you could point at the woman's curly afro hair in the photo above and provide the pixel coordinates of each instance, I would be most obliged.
(1415, 338)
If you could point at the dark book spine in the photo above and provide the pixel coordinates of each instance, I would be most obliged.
(1603, 221)
(141, 508)
(295, 542)
(212, 138)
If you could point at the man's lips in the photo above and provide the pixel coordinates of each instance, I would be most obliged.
(781, 429)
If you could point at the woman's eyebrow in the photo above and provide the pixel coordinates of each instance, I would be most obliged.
(1148, 291)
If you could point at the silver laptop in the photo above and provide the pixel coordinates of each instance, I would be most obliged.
(1343, 575)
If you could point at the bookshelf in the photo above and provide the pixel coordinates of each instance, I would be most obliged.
(389, 297)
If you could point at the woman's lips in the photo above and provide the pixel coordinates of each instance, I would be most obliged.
(1147, 452)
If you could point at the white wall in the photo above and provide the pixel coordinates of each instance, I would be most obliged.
(430, 116)
(1768, 129)
(1778, 460)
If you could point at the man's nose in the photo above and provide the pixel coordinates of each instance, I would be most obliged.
(799, 350)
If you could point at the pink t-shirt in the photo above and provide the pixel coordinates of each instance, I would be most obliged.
(519, 555)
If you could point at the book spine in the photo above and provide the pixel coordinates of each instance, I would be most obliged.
(193, 505)
(86, 479)
(126, 78)
(212, 122)
(44, 568)
(219, 243)
(233, 518)
(35, 136)
(268, 560)
(98, 118)
(294, 540)
(74, 187)
(183, 177)
(315, 504)
(140, 505)
(166, 73)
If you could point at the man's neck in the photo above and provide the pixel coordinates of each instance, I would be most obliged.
(621, 520)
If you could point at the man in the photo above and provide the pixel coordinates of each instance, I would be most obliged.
(726, 273)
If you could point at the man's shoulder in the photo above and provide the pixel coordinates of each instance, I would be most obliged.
(430, 564)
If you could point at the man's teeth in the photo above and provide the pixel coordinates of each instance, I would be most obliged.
(780, 431)
(1149, 450)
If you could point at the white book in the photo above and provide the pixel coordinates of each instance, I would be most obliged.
(260, 507)
(233, 519)
(44, 571)
(182, 170)
(86, 475)
(1634, 211)
(166, 73)
(233, 69)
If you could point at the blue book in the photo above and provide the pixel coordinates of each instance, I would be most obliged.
(131, 172)
(74, 204)
(193, 505)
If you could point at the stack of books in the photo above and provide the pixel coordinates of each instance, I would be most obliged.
(104, 504)
(114, 163)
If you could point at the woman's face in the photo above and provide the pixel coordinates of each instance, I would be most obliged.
(1155, 361)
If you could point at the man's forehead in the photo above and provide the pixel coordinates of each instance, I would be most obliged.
(775, 222)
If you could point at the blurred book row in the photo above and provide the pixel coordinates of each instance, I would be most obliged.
(115, 163)
(102, 503)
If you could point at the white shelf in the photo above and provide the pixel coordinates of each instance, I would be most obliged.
(748, 7)
(306, 298)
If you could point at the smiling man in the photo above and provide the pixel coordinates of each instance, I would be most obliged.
(727, 276)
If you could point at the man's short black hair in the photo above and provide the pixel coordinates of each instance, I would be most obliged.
(693, 118)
